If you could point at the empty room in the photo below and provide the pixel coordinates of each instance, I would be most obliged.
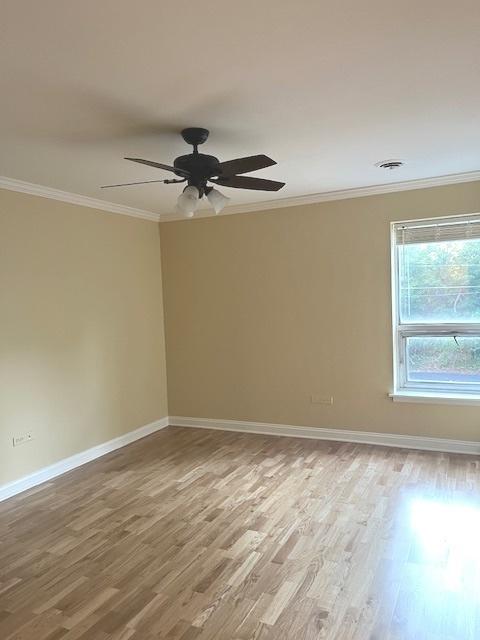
(239, 320)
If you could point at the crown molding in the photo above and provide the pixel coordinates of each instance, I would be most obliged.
(329, 196)
(74, 198)
(314, 198)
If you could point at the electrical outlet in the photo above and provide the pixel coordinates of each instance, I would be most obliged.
(22, 438)
(316, 399)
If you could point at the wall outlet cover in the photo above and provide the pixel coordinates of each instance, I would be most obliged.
(22, 438)
(317, 399)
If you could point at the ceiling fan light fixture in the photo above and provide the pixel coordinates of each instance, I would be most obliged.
(217, 200)
(188, 201)
(200, 169)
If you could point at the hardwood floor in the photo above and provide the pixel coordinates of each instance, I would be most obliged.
(194, 534)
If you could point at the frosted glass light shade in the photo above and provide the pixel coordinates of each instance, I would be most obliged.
(217, 200)
(188, 201)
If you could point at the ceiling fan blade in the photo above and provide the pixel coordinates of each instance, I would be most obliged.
(166, 167)
(244, 165)
(128, 184)
(248, 182)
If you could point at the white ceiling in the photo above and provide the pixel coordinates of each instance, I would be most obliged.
(325, 88)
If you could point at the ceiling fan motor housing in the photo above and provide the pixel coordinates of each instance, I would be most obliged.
(200, 166)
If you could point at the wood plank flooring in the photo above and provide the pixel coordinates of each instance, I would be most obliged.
(192, 534)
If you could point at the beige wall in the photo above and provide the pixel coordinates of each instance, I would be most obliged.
(265, 309)
(262, 311)
(81, 329)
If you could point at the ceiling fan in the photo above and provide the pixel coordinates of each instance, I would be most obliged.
(198, 169)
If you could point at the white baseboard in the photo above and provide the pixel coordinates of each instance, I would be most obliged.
(265, 428)
(339, 435)
(67, 464)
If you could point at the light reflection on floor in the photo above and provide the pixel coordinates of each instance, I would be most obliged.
(446, 535)
(433, 570)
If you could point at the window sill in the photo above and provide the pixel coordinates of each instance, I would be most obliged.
(435, 398)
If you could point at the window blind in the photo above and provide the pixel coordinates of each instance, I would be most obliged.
(443, 230)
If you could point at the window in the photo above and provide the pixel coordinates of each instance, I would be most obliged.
(436, 290)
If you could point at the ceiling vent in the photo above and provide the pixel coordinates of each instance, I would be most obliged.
(390, 164)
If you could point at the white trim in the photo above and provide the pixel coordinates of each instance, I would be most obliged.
(329, 196)
(406, 390)
(74, 198)
(324, 196)
(265, 428)
(435, 397)
(339, 435)
(77, 460)
(394, 282)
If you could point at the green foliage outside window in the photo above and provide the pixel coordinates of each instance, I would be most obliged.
(440, 283)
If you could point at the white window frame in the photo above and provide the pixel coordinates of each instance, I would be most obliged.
(401, 331)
